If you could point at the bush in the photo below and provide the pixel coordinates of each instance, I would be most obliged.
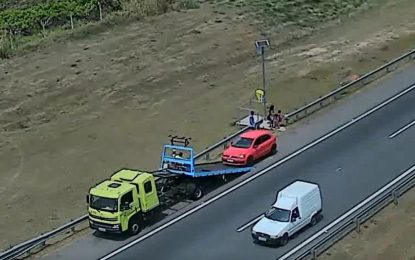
(145, 7)
(39, 16)
(6, 46)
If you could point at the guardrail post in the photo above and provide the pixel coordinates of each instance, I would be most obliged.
(207, 156)
(395, 197)
(313, 254)
(357, 223)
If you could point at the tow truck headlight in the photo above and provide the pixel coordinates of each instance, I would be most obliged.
(242, 156)
(116, 226)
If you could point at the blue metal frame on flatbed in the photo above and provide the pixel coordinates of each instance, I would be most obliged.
(187, 166)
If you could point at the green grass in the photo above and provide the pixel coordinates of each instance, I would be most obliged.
(26, 44)
(127, 10)
(305, 13)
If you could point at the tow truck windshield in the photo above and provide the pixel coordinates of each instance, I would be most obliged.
(277, 214)
(105, 204)
(243, 142)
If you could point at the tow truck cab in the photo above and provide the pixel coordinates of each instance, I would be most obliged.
(118, 204)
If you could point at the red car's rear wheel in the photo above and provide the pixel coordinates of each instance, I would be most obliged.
(274, 149)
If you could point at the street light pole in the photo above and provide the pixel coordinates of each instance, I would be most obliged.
(263, 82)
(260, 47)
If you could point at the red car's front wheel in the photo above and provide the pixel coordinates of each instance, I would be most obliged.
(250, 161)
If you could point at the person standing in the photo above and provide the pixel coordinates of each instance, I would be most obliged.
(270, 117)
(252, 120)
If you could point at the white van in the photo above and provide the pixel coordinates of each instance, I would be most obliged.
(297, 205)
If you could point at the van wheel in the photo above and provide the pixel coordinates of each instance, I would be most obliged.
(250, 161)
(134, 226)
(284, 240)
(313, 221)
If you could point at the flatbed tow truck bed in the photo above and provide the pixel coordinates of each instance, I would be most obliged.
(207, 169)
(218, 168)
(186, 163)
(179, 169)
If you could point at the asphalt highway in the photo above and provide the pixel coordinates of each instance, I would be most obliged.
(349, 166)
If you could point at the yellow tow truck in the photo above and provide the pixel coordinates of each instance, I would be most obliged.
(124, 202)
(120, 203)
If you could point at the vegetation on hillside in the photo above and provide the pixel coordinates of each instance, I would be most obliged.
(33, 17)
(22, 18)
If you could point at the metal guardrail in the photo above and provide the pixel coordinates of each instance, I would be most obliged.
(40, 241)
(326, 237)
(26, 247)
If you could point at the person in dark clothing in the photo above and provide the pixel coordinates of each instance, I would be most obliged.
(252, 120)
(270, 116)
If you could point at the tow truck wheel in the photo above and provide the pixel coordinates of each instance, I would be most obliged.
(134, 226)
(197, 193)
(224, 178)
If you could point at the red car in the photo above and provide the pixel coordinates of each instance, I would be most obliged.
(249, 147)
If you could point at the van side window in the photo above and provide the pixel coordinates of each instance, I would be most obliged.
(295, 214)
(127, 198)
(147, 187)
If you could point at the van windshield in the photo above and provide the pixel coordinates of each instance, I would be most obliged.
(277, 214)
(105, 204)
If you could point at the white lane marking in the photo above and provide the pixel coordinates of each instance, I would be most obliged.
(404, 128)
(258, 174)
(250, 223)
(347, 214)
